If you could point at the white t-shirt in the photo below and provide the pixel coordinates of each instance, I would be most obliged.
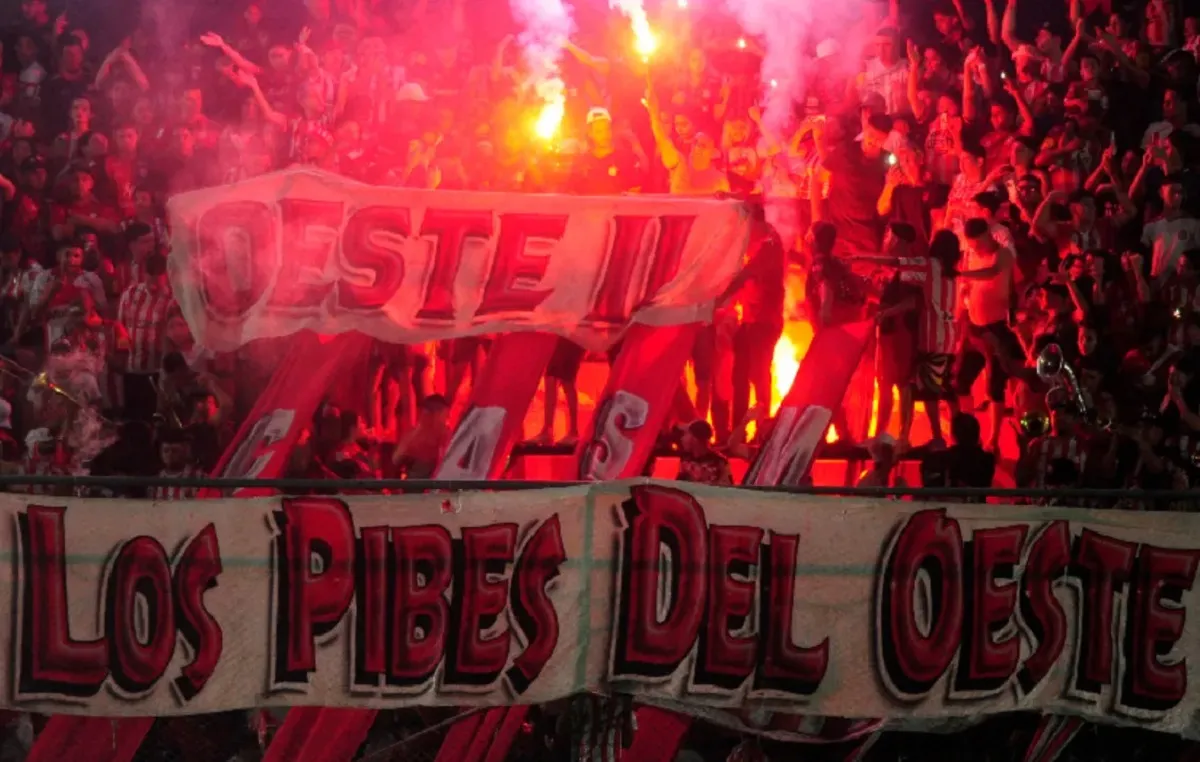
(1169, 239)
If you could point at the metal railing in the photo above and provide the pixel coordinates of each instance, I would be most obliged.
(287, 486)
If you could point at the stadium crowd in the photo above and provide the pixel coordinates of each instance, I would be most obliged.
(996, 186)
(986, 183)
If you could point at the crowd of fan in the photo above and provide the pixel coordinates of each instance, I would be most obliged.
(983, 195)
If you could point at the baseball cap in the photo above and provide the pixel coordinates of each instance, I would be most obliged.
(827, 48)
(411, 91)
(598, 112)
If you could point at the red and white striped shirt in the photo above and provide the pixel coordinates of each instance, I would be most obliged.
(939, 327)
(1048, 449)
(144, 311)
(173, 492)
(36, 464)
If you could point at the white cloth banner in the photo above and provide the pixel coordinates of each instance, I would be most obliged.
(717, 601)
(307, 249)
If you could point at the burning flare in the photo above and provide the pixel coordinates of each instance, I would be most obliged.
(644, 40)
(551, 115)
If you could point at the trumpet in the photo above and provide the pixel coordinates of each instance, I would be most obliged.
(1054, 369)
(42, 383)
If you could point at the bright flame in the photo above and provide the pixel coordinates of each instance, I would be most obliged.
(682, 3)
(552, 112)
(741, 43)
(549, 119)
(785, 363)
(774, 83)
(644, 41)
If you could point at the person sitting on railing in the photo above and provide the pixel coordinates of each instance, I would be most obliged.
(420, 449)
(698, 461)
(175, 452)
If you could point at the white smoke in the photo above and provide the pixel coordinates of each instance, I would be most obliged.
(545, 27)
(788, 31)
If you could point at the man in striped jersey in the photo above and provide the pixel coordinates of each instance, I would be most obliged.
(144, 310)
(175, 451)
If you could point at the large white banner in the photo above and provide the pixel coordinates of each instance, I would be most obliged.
(720, 602)
(307, 249)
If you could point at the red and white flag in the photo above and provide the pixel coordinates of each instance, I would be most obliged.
(803, 418)
(493, 420)
(636, 402)
(310, 370)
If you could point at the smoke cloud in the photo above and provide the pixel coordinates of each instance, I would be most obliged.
(545, 27)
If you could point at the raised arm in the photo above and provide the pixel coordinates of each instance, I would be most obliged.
(214, 40)
(1081, 36)
(1008, 27)
(993, 21)
(666, 147)
(597, 63)
(248, 80)
(914, 81)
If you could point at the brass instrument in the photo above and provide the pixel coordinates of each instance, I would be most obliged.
(1035, 424)
(1053, 368)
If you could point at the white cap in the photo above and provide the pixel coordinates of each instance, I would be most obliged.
(411, 91)
(37, 437)
(598, 112)
(827, 48)
(5, 414)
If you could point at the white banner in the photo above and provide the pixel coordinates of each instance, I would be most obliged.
(306, 249)
(717, 601)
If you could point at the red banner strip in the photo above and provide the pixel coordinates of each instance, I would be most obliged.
(636, 402)
(799, 426)
(492, 422)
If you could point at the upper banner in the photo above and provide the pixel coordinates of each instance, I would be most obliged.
(729, 604)
(307, 249)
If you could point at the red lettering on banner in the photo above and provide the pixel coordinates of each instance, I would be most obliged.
(1123, 595)
(139, 578)
(421, 600)
(645, 644)
(605, 456)
(1102, 565)
(473, 446)
(196, 572)
(451, 230)
(52, 661)
(374, 244)
(513, 265)
(141, 570)
(1046, 565)
(539, 564)
(236, 250)
(310, 240)
(988, 662)
(314, 578)
(783, 666)
(673, 233)
(261, 445)
(611, 303)
(705, 602)
(1153, 630)
(726, 660)
(480, 557)
(371, 589)
(914, 658)
(421, 614)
